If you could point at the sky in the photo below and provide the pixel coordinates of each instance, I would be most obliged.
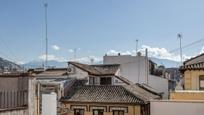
(97, 27)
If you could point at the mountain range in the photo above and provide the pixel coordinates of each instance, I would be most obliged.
(39, 63)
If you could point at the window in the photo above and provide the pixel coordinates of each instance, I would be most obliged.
(201, 82)
(97, 112)
(78, 111)
(105, 81)
(118, 112)
(91, 80)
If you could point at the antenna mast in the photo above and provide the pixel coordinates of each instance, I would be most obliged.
(46, 39)
(180, 38)
(136, 46)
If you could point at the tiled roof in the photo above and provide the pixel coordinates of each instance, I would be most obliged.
(195, 66)
(104, 94)
(98, 70)
(141, 93)
(150, 89)
(196, 59)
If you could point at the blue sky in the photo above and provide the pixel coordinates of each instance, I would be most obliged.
(96, 27)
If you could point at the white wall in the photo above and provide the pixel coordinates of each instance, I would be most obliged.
(176, 108)
(161, 84)
(31, 96)
(49, 104)
(132, 67)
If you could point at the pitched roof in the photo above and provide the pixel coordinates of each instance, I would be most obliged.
(104, 94)
(195, 66)
(53, 72)
(141, 93)
(98, 70)
(150, 89)
(194, 60)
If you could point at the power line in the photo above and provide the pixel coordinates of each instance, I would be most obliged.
(188, 45)
(14, 57)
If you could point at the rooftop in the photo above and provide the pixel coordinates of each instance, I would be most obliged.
(53, 72)
(98, 70)
(103, 94)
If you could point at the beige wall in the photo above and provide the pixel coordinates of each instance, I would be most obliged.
(132, 109)
(187, 95)
(191, 79)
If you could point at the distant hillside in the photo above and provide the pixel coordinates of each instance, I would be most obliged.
(37, 64)
(167, 63)
(6, 65)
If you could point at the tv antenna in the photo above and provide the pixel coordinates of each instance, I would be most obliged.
(46, 38)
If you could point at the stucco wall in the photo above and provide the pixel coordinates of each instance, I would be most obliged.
(191, 79)
(176, 108)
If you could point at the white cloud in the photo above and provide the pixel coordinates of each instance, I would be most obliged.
(71, 50)
(88, 59)
(20, 62)
(202, 50)
(75, 49)
(52, 57)
(161, 53)
(114, 52)
(55, 47)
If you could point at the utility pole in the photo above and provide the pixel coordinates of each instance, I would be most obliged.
(180, 38)
(46, 39)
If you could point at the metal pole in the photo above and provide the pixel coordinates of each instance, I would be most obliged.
(180, 37)
(46, 39)
(136, 46)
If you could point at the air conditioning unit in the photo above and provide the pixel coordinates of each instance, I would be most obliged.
(70, 70)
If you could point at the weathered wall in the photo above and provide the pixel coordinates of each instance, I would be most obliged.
(79, 74)
(176, 108)
(187, 95)
(15, 112)
(13, 83)
(191, 79)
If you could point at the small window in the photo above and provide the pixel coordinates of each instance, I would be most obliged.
(118, 112)
(97, 112)
(106, 81)
(201, 82)
(91, 80)
(78, 111)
